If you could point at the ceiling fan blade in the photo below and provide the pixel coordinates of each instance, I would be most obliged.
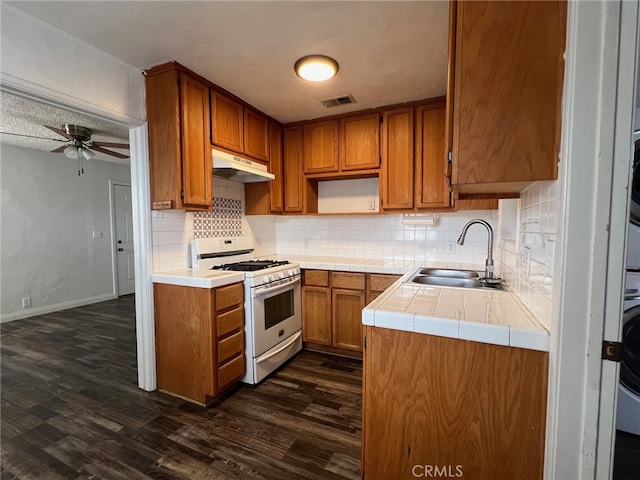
(33, 136)
(112, 145)
(108, 152)
(59, 149)
(59, 132)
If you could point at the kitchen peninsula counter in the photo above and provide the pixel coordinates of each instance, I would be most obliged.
(487, 316)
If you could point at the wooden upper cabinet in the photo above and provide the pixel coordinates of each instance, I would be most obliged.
(432, 190)
(397, 171)
(292, 163)
(507, 95)
(276, 186)
(227, 128)
(360, 142)
(256, 135)
(179, 157)
(320, 147)
(196, 156)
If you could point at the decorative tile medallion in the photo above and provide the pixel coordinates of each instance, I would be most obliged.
(225, 220)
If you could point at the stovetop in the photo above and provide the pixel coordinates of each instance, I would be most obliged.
(250, 265)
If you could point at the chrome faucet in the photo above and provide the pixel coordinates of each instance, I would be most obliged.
(488, 269)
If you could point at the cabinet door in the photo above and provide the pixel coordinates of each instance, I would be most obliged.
(346, 306)
(227, 128)
(320, 147)
(360, 142)
(293, 180)
(508, 86)
(397, 171)
(316, 315)
(184, 340)
(431, 162)
(275, 163)
(196, 157)
(256, 135)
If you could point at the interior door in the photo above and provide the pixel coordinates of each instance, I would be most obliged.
(124, 239)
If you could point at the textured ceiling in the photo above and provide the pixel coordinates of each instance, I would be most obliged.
(389, 52)
(27, 117)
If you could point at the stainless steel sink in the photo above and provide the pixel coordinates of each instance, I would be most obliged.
(447, 272)
(447, 281)
(454, 282)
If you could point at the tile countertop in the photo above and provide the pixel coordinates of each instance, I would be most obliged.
(486, 316)
(478, 315)
(193, 277)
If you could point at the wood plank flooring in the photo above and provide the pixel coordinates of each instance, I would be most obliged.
(71, 409)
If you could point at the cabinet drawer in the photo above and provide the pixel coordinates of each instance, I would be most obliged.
(229, 296)
(230, 321)
(230, 347)
(317, 278)
(231, 371)
(353, 281)
(379, 282)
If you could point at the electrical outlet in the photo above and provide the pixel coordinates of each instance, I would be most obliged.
(26, 302)
(96, 234)
(306, 242)
(372, 204)
(451, 247)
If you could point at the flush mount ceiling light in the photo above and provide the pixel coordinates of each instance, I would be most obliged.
(316, 68)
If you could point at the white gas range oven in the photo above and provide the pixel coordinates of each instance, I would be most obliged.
(272, 301)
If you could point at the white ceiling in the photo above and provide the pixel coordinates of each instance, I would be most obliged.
(389, 52)
(27, 117)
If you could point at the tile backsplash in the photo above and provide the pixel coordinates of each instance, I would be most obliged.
(526, 261)
(384, 237)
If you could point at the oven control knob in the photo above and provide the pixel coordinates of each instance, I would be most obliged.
(265, 279)
(272, 278)
(281, 274)
(291, 273)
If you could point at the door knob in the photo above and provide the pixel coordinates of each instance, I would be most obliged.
(121, 249)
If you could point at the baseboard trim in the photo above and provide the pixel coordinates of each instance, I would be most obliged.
(32, 312)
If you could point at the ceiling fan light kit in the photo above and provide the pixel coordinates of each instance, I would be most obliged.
(316, 68)
(81, 147)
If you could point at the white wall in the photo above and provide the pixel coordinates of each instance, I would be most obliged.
(46, 244)
(41, 60)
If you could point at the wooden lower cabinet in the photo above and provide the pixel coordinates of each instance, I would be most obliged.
(199, 340)
(332, 304)
(316, 315)
(377, 283)
(476, 410)
(346, 318)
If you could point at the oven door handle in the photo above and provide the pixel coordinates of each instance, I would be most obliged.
(262, 293)
(294, 338)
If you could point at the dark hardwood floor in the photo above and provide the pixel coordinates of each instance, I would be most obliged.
(71, 409)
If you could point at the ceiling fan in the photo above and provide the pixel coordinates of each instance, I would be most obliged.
(81, 144)
(81, 147)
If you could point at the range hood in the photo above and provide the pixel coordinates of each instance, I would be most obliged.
(238, 169)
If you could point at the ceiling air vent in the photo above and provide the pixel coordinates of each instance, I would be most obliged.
(337, 101)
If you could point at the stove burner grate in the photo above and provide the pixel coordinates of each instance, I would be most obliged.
(250, 265)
